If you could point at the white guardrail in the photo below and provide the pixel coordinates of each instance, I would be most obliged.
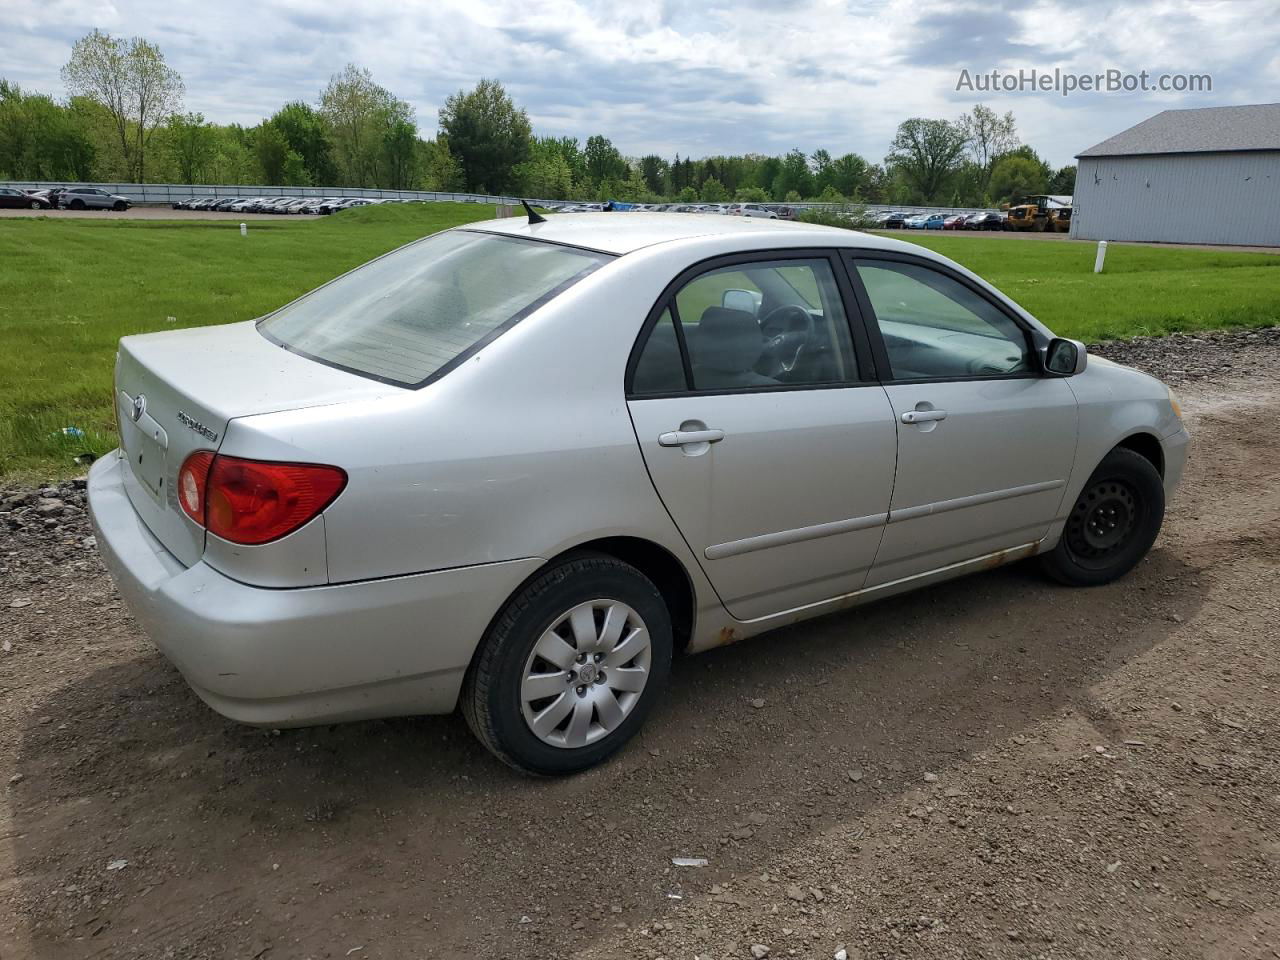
(169, 193)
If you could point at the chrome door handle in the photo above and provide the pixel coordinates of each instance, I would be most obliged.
(678, 438)
(923, 416)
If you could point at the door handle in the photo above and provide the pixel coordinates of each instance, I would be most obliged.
(923, 416)
(678, 438)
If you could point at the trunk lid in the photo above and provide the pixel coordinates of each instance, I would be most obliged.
(176, 392)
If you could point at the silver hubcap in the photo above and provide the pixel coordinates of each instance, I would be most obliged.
(586, 674)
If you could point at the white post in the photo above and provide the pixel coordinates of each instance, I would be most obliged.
(244, 229)
(1101, 258)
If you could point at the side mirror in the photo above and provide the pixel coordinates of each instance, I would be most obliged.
(748, 301)
(1065, 358)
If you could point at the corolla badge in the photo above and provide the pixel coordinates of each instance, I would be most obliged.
(191, 423)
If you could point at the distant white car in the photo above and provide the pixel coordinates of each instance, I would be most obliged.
(751, 210)
(517, 466)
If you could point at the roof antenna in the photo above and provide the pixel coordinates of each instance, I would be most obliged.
(533, 216)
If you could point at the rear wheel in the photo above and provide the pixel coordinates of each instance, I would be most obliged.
(77, 204)
(571, 667)
(1113, 524)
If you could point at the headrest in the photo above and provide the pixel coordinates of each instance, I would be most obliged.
(727, 341)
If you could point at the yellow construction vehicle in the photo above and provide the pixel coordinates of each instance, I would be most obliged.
(1041, 213)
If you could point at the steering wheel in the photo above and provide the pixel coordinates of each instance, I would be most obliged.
(788, 329)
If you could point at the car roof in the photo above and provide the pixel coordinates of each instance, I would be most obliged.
(623, 232)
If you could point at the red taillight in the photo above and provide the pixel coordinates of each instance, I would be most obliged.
(254, 501)
(191, 484)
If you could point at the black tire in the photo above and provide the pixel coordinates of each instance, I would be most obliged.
(36, 204)
(490, 698)
(1113, 523)
(77, 204)
(119, 206)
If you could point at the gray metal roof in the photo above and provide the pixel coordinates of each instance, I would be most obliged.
(1201, 130)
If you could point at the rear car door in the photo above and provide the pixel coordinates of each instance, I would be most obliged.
(986, 441)
(772, 451)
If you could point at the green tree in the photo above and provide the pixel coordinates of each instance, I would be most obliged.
(688, 195)
(752, 195)
(271, 150)
(359, 113)
(848, 174)
(654, 170)
(488, 134)
(192, 144)
(794, 176)
(927, 152)
(987, 136)
(604, 162)
(307, 134)
(399, 154)
(1064, 181)
(294, 172)
(1015, 176)
(713, 191)
(132, 81)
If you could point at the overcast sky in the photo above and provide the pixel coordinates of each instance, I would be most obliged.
(697, 77)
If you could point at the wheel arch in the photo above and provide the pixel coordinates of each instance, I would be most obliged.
(655, 561)
(1147, 446)
(658, 564)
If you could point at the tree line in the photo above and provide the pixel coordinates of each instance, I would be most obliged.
(123, 120)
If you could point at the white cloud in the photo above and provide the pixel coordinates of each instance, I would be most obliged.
(694, 76)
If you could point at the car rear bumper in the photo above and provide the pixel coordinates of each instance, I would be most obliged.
(294, 657)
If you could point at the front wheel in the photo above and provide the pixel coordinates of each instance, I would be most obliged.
(571, 667)
(1113, 524)
(118, 206)
(35, 204)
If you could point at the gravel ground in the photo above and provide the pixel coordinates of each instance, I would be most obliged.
(994, 767)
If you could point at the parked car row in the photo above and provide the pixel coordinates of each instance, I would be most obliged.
(66, 198)
(280, 205)
(897, 220)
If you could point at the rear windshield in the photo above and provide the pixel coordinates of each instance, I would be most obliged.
(413, 314)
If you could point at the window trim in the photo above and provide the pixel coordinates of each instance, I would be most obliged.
(601, 258)
(881, 355)
(860, 345)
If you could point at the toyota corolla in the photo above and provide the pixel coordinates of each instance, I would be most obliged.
(515, 467)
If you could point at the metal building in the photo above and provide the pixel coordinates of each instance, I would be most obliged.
(1208, 175)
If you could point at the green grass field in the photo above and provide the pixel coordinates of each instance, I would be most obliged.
(69, 289)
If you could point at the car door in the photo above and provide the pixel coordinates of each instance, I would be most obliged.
(771, 452)
(986, 441)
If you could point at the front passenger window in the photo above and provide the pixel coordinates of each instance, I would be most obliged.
(934, 327)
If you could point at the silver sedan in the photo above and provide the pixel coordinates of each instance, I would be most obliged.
(515, 467)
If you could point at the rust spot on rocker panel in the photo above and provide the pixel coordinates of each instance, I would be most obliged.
(726, 636)
(1009, 556)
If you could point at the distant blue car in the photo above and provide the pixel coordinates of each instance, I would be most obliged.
(917, 222)
(934, 221)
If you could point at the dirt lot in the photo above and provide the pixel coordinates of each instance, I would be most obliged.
(996, 767)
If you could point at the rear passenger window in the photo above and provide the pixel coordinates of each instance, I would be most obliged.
(659, 369)
(760, 325)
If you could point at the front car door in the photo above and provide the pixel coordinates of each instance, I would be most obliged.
(770, 449)
(986, 441)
